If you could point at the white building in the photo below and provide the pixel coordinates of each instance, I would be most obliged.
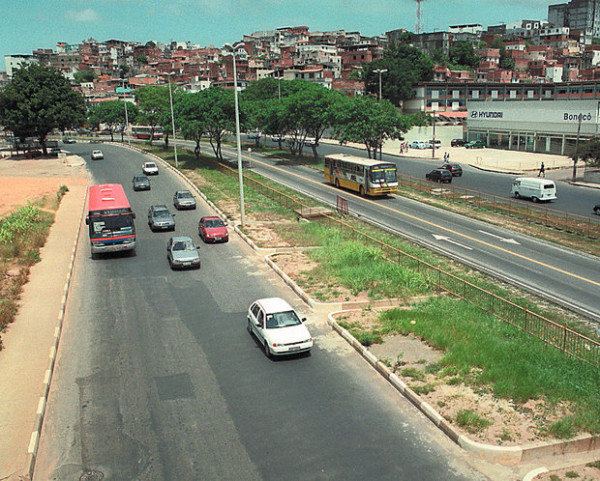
(14, 62)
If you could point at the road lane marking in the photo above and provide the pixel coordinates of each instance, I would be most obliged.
(447, 239)
(509, 240)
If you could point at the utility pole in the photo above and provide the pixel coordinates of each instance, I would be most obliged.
(433, 135)
(576, 153)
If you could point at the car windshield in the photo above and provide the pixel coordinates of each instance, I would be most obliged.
(163, 214)
(214, 223)
(184, 195)
(282, 319)
(150, 165)
(183, 245)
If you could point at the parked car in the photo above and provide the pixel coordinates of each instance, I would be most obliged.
(454, 169)
(597, 209)
(150, 168)
(97, 155)
(437, 142)
(69, 140)
(475, 144)
(213, 229)
(458, 143)
(418, 144)
(277, 138)
(159, 218)
(439, 175)
(253, 135)
(278, 327)
(184, 199)
(311, 142)
(141, 182)
(182, 253)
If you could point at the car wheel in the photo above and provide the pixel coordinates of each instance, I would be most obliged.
(361, 191)
(517, 196)
(249, 327)
(535, 199)
(337, 183)
(267, 350)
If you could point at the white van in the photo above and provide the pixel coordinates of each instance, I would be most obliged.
(534, 188)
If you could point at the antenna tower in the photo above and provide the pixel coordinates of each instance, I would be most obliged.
(419, 21)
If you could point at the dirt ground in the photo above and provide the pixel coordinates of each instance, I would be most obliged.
(27, 180)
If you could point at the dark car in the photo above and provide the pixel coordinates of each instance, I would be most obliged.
(141, 182)
(475, 144)
(159, 218)
(184, 199)
(182, 253)
(439, 175)
(212, 229)
(454, 169)
(68, 140)
(597, 209)
(458, 142)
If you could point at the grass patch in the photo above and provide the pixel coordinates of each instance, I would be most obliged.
(483, 351)
(471, 422)
(22, 234)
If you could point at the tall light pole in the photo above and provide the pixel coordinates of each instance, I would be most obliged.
(173, 122)
(238, 142)
(126, 117)
(380, 71)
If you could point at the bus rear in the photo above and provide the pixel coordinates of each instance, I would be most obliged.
(110, 219)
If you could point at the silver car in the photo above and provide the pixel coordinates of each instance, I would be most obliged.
(159, 218)
(183, 199)
(182, 253)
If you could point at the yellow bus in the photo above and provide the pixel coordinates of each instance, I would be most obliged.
(365, 176)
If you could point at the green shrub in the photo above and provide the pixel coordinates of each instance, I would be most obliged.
(471, 421)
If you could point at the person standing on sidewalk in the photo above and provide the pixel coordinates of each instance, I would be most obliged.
(542, 172)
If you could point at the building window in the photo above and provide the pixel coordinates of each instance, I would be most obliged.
(475, 94)
(494, 94)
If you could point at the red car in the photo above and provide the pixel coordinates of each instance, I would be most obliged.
(212, 229)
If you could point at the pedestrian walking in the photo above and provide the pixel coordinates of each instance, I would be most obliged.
(542, 172)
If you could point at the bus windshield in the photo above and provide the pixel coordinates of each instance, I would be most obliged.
(383, 175)
(111, 225)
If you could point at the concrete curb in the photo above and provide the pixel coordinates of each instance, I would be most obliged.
(507, 455)
(41, 410)
(532, 474)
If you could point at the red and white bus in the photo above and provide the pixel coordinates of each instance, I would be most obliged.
(110, 219)
(145, 131)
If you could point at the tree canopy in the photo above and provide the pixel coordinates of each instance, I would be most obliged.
(112, 114)
(406, 66)
(37, 100)
(155, 108)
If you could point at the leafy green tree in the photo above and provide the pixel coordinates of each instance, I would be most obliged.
(367, 121)
(589, 152)
(191, 117)
(155, 109)
(123, 71)
(141, 59)
(462, 53)
(406, 66)
(38, 100)
(112, 114)
(219, 107)
(84, 76)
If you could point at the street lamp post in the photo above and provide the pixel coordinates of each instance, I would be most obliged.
(238, 141)
(380, 71)
(126, 116)
(173, 122)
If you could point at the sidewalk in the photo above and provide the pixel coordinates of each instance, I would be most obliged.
(30, 342)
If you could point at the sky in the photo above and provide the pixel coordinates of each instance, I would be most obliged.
(30, 24)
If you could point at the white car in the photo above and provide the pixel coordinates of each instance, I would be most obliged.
(278, 328)
(419, 144)
(150, 168)
(97, 155)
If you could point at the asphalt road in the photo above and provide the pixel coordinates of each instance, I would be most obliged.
(158, 379)
(556, 273)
